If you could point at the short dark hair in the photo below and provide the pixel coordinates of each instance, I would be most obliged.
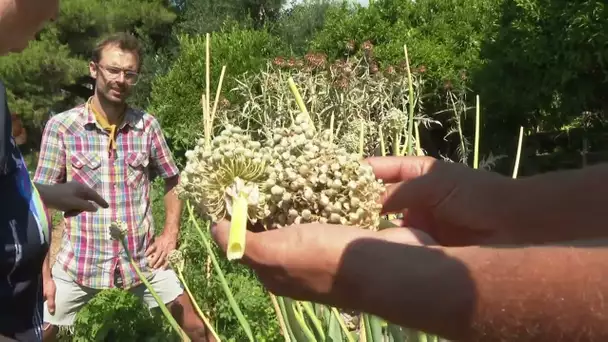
(122, 40)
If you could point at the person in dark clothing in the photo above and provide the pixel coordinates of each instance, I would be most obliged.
(24, 219)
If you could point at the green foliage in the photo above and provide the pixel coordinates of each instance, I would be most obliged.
(176, 96)
(248, 292)
(205, 16)
(299, 24)
(117, 315)
(82, 22)
(547, 63)
(33, 78)
(444, 36)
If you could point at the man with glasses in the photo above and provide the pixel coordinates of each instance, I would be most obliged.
(115, 149)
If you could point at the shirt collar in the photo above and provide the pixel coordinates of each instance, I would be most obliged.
(132, 117)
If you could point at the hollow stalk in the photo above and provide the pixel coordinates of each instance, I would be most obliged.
(238, 228)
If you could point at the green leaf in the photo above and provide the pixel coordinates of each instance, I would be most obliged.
(334, 332)
(396, 333)
(373, 328)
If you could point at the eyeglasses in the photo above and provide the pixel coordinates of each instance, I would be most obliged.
(113, 73)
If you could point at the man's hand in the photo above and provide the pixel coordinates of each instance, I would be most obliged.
(72, 198)
(302, 261)
(158, 251)
(454, 204)
(49, 290)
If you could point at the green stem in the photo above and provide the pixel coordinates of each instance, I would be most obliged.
(381, 137)
(477, 120)
(418, 148)
(218, 270)
(396, 144)
(410, 120)
(342, 324)
(180, 275)
(315, 321)
(280, 317)
(160, 303)
(518, 155)
(362, 138)
(297, 311)
(459, 126)
(286, 316)
(299, 101)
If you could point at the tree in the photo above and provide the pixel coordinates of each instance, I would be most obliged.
(546, 63)
(205, 16)
(176, 96)
(298, 24)
(38, 78)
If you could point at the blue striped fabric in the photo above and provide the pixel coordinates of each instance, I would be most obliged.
(24, 236)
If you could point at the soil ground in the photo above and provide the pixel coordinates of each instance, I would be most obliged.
(56, 240)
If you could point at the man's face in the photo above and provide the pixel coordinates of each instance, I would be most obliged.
(115, 74)
(20, 20)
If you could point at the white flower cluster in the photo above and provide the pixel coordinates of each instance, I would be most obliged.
(395, 120)
(213, 175)
(297, 176)
(176, 260)
(350, 135)
(117, 230)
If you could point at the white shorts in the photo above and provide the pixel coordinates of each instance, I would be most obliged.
(70, 296)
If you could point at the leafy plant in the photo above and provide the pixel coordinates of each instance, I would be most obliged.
(117, 315)
(345, 96)
(557, 73)
(176, 96)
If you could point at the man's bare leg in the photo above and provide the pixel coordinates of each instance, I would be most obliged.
(49, 332)
(186, 316)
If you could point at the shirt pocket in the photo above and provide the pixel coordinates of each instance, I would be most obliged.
(137, 166)
(85, 168)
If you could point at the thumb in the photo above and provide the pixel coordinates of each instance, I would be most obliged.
(219, 232)
(50, 301)
(406, 236)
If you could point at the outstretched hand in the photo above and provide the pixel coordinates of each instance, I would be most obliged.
(303, 261)
(454, 204)
(72, 198)
(441, 202)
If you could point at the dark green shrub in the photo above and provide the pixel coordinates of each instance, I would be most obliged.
(176, 96)
(443, 37)
(547, 63)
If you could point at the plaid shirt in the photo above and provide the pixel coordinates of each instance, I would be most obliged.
(75, 147)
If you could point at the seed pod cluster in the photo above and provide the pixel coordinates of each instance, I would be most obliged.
(176, 260)
(296, 176)
(117, 230)
(215, 174)
(350, 135)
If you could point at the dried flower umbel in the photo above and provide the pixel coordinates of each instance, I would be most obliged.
(296, 176)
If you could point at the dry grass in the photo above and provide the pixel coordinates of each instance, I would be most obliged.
(57, 233)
